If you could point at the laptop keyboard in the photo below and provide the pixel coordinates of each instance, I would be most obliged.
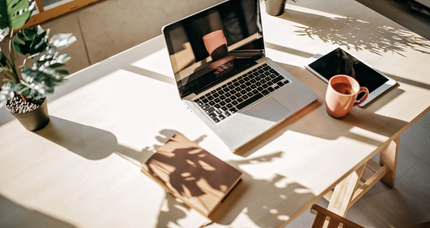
(224, 101)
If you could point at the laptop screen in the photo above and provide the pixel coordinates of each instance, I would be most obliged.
(209, 47)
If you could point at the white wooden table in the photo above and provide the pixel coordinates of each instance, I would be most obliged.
(83, 169)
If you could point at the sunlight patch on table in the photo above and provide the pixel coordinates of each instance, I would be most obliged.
(368, 134)
(316, 12)
(157, 62)
(285, 57)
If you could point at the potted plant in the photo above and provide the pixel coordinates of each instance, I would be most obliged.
(276, 7)
(25, 86)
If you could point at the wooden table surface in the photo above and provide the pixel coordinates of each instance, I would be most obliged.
(83, 169)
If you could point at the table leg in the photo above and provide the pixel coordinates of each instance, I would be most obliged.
(343, 195)
(388, 157)
(344, 191)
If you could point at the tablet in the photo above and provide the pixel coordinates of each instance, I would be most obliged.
(339, 61)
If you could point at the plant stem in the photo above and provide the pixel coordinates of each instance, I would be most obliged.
(12, 65)
(8, 77)
(25, 60)
(11, 62)
(23, 97)
(7, 70)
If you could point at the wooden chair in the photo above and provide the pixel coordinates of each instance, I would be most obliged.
(333, 220)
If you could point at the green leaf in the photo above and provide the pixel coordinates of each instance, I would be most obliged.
(62, 58)
(3, 100)
(6, 93)
(51, 61)
(31, 41)
(4, 22)
(3, 62)
(41, 80)
(61, 40)
(56, 65)
(3, 33)
(62, 73)
(14, 13)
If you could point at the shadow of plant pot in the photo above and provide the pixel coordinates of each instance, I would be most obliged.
(275, 7)
(36, 119)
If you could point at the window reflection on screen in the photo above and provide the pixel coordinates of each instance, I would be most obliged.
(206, 47)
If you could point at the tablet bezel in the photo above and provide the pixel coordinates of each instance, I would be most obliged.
(373, 95)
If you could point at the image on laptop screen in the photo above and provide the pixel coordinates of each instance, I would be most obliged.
(208, 47)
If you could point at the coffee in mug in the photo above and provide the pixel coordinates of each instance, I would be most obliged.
(343, 88)
(341, 95)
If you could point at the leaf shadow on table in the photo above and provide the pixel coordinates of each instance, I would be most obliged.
(261, 210)
(15, 215)
(171, 210)
(94, 144)
(343, 31)
(338, 31)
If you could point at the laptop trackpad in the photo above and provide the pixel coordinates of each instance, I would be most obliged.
(269, 109)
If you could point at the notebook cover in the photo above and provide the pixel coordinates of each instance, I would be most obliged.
(191, 173)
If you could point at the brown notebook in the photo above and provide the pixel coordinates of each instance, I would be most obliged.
(192, 174)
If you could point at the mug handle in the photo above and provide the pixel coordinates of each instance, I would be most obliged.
(362, 90)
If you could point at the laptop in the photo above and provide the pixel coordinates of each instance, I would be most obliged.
(223, 76)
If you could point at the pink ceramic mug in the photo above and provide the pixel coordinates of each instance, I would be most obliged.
(216, 44)
(341, 95)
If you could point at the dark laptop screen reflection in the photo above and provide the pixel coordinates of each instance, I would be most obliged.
(210, 46)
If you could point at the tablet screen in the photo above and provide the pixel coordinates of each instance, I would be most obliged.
(339, 61)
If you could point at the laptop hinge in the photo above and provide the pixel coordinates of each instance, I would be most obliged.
(189, 96)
